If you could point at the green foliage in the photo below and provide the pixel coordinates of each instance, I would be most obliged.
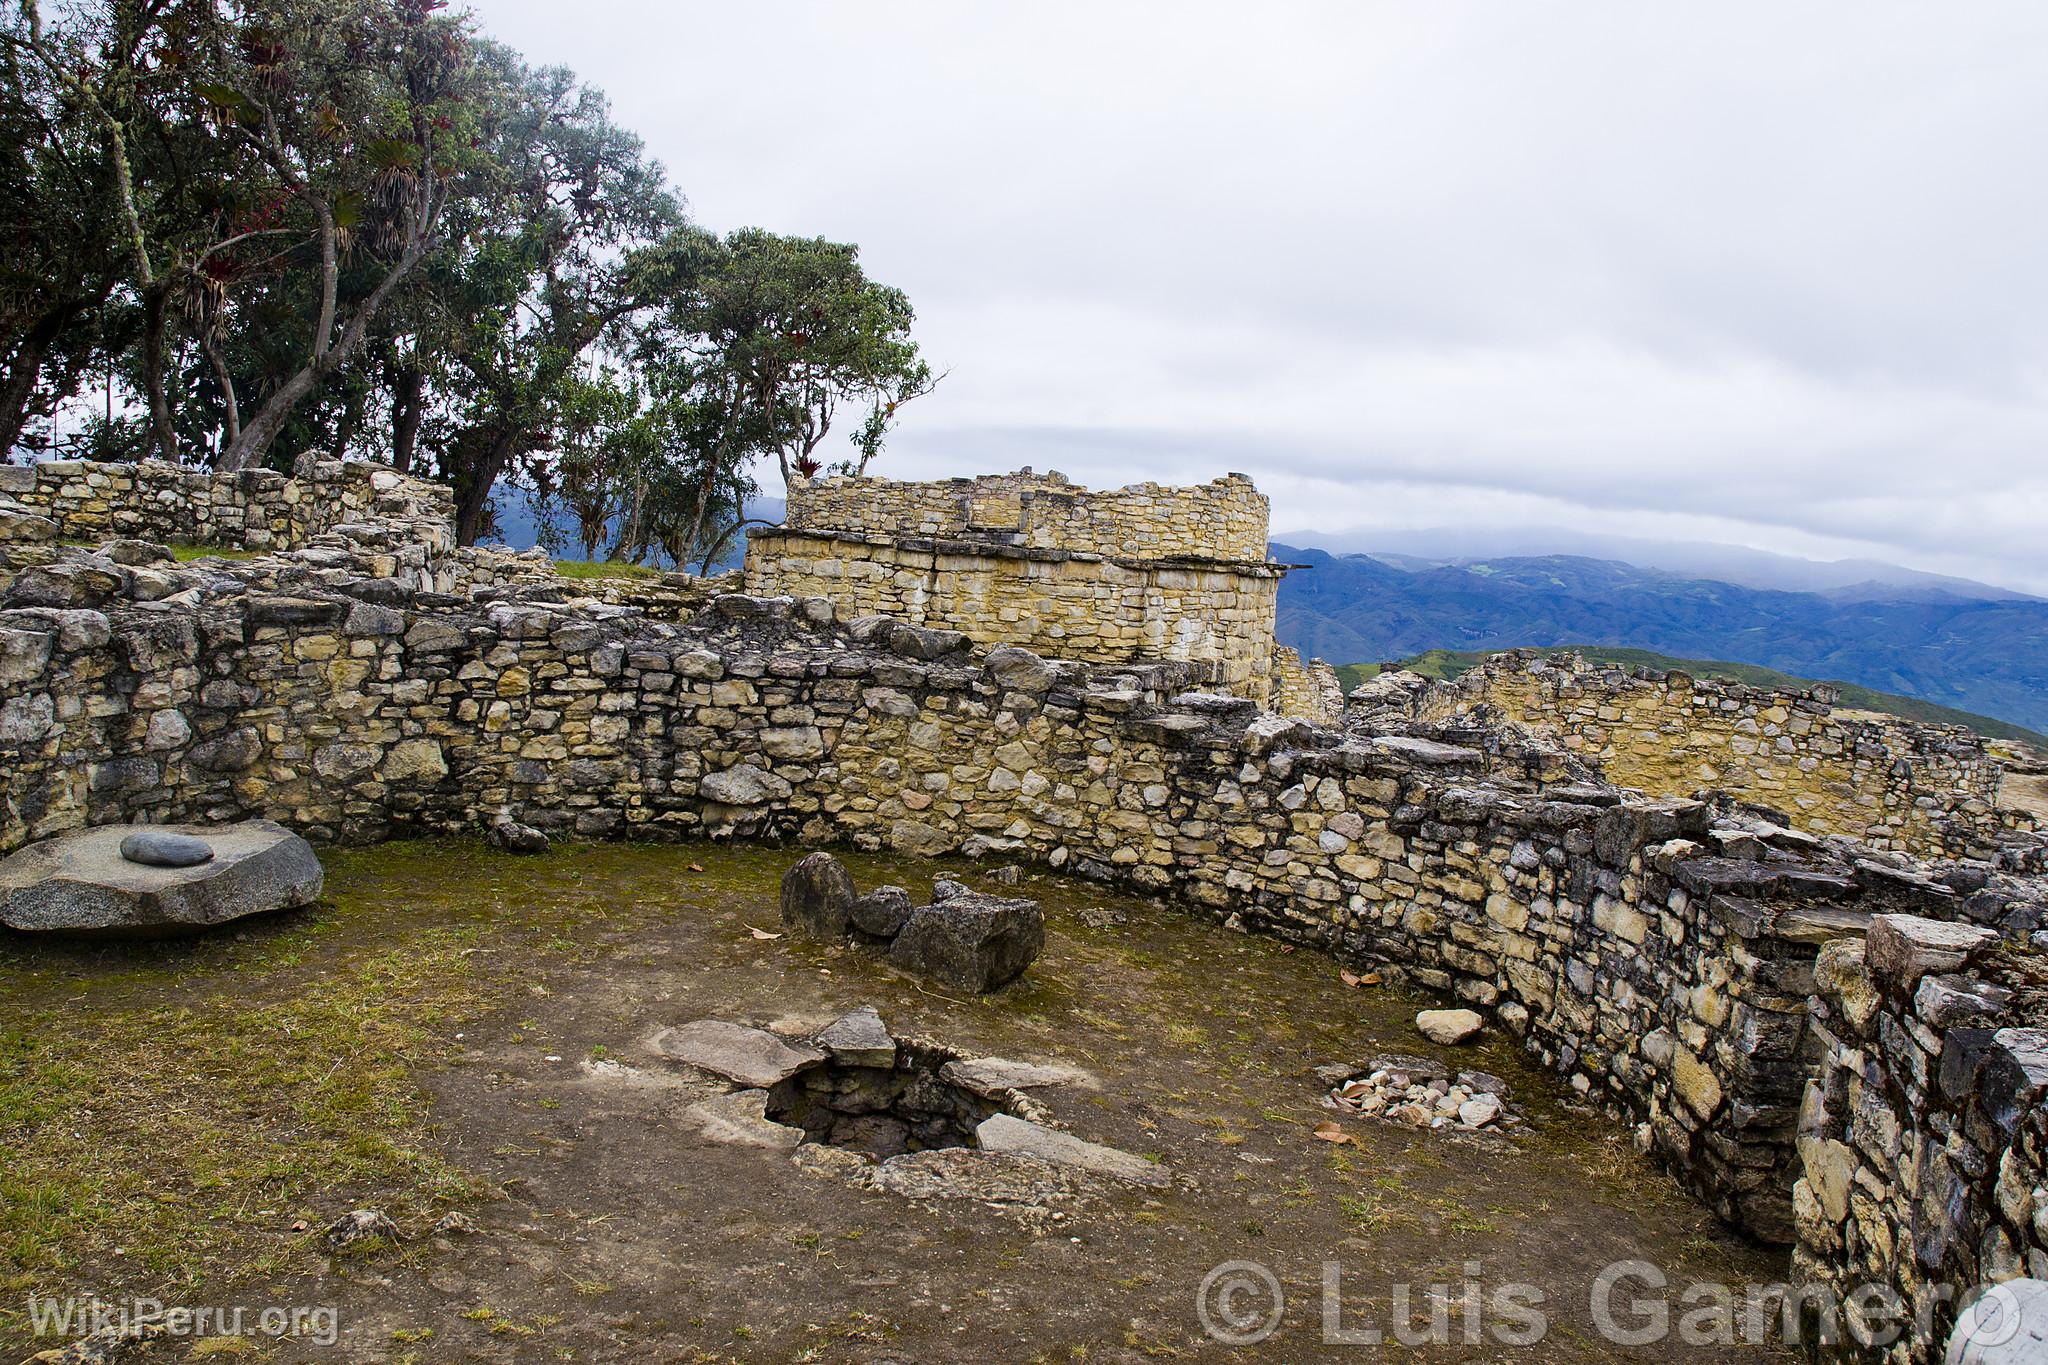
(358, 227)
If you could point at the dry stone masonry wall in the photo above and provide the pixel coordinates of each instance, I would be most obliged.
(1683, 962)
(1928, 789)
(1105, 577)
(1923, 1135)
(252, 510)
(1224, 520)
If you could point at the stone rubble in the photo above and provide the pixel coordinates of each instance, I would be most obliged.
(1419, 1093)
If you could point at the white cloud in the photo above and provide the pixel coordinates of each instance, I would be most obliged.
(1757, 272)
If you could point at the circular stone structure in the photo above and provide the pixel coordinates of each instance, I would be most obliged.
(80, 883)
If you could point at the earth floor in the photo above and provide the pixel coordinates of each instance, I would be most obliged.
(453, 1029)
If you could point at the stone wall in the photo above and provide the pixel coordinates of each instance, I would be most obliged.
(1923, 1135)
(1687, 964)
(1657, 952)
(1080, 606)
(1222, 520)
(1310, 691)
(1892, 783)
(1115, 577)
(252, 510)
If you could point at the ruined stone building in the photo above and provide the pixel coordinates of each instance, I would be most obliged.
(1831, 1035)
(1129, 575)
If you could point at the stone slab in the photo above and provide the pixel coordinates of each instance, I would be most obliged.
(80, 884)
(741, 1119)
(991, 1075)
(753, 1057)
(1021, 1137)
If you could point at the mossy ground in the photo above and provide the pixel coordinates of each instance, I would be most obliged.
(169, 1113)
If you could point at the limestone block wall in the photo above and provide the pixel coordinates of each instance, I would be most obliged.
(1670, 984)
(1923, 1133)
(251, 510)
(1225, 519)
(1927, 789)
(1309, 691)
(1080, 606)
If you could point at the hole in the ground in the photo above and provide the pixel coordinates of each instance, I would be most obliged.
(883, 1111)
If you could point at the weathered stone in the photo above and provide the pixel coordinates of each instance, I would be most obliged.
(415, 760)
(989, 1076)
(161, 848)
(513, 837)
(971, 941)
(1449, 1027)
(817, 897)
(69, 584)
(741, 1119)
(859, 1039)
(1019, 670)
(80, 883)
(1904, 948)
(743, 785)
(1479, 1111)
(882, 912)
(916, 642)
(1005, 1133)
(750, 1056)
(1695, 1083)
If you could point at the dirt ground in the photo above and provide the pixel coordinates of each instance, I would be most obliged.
(455, 1029)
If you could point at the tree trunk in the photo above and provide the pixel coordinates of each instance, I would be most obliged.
(155, 302)
(23, 368)
(473, 485)
(263, 429)
(227, 386)
(408, 408)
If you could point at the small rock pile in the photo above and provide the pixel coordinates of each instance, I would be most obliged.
(1421, 1094)
(963, 939)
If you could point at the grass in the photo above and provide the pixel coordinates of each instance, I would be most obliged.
(604, 569)
(1449, 663)
(168, 1142)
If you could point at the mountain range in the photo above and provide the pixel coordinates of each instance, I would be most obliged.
(1950, 641)
(1959, 644)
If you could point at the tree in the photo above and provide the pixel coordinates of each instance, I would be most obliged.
(803, 332)
(361, 110)
(61, 259)
(579, 234)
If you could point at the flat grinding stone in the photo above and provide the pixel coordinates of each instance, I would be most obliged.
(155, 848)
(80, 883)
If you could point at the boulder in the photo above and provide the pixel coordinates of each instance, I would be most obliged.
(161, 848)
(817, 897)
(1449, 1027)
(970, 941)
(882, 912)
(81, 884)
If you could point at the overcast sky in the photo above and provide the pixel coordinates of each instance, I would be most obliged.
(1766, 273)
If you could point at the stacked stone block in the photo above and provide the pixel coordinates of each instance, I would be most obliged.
(1892, 783)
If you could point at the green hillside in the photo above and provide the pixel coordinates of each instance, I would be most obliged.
(1447, 663)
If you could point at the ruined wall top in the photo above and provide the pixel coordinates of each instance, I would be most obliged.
(1225, 519)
